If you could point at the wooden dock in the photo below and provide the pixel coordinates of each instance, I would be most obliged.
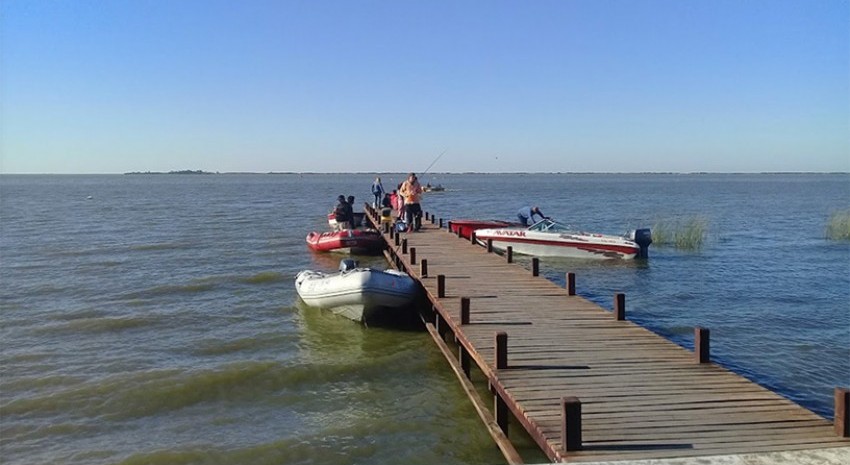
(587, 384)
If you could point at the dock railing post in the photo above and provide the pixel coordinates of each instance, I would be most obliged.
(489, 245)
(441, 286)
(842, 412)
(441, 223)
(702, 352)
(413, 255)
(387, 228)
(397, 239)
(509, 253)
(620, 306)
(423, 268)
(448, 225)
(464, 310)
(571, 284)
(501, 350)
(535, 266)
(404, 246)
(571, 423)
(472, 238)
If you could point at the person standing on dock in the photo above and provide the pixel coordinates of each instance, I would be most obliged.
(378, 192)
(411, 191)
(528, 213)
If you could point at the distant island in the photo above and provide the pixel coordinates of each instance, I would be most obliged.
(172, 172)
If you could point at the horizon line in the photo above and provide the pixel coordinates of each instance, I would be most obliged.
(201, 172)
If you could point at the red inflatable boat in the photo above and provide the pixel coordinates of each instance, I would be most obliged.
(347, 240)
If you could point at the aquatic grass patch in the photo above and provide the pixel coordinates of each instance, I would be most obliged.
(838, 226)
(688, 233)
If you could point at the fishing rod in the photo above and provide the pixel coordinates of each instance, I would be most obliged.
(435, 161)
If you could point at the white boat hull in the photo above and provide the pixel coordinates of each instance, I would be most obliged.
(544, 239)
(356, 294)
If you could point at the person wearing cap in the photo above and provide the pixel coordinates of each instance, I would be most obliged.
(528, 213)
(411, 191)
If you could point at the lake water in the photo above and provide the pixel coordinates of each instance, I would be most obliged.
(152, 319)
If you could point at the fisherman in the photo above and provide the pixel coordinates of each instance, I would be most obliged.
(528, 213)
(411, 190)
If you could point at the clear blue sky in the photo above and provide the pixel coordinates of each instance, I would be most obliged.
(568, 85)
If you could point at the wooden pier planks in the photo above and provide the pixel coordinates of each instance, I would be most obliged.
(641, 395)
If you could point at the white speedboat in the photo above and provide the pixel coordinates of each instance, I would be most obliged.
(548, 238)
(356, 293)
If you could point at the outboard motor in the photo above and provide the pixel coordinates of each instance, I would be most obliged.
(642, 237)
(347, 264)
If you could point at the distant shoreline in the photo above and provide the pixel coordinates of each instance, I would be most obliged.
(390, 173)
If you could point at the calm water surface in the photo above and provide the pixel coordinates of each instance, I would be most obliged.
(153, 319)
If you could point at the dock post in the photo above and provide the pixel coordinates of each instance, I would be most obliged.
(472, 238)
(386, 228)
(448, 225)
(489, 245)
(620, 306)
(702, 352)
(510, 254)
(464, 310)
(423, 268)
(397, 239)
(392, 231)
(500, 411)
(460, 232)
(842, 412)
(433, 220)
(501, 350)
(441, 286)
(571, 284)
(535, 266)
(571, 423)
(404, 246)
(441, 223)
(465, 360)
(413, 255)
(427, 216)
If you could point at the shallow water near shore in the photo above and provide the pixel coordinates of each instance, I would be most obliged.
(154, 319)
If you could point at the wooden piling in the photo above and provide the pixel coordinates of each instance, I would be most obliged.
(489, 245)
(413, 255)
(501, 344)
(423, 268)
(619, 306)
(535, 266)
(702, 352)
(509, 253)
(404, 246)
(397, 238)
(464, 310)
(571, 284)
(842, 412)
(472, 238)
(441, 286)
(500, 411)
(571, 423)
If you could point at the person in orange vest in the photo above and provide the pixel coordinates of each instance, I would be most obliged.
(411, 191)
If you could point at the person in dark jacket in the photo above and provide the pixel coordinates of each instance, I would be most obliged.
(343, 213)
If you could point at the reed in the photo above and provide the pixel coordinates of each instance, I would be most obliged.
(838, 226)
(687, 233)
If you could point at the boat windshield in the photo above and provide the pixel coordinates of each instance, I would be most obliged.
(547, 225)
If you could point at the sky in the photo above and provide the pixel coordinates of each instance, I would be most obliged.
(113, 86)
